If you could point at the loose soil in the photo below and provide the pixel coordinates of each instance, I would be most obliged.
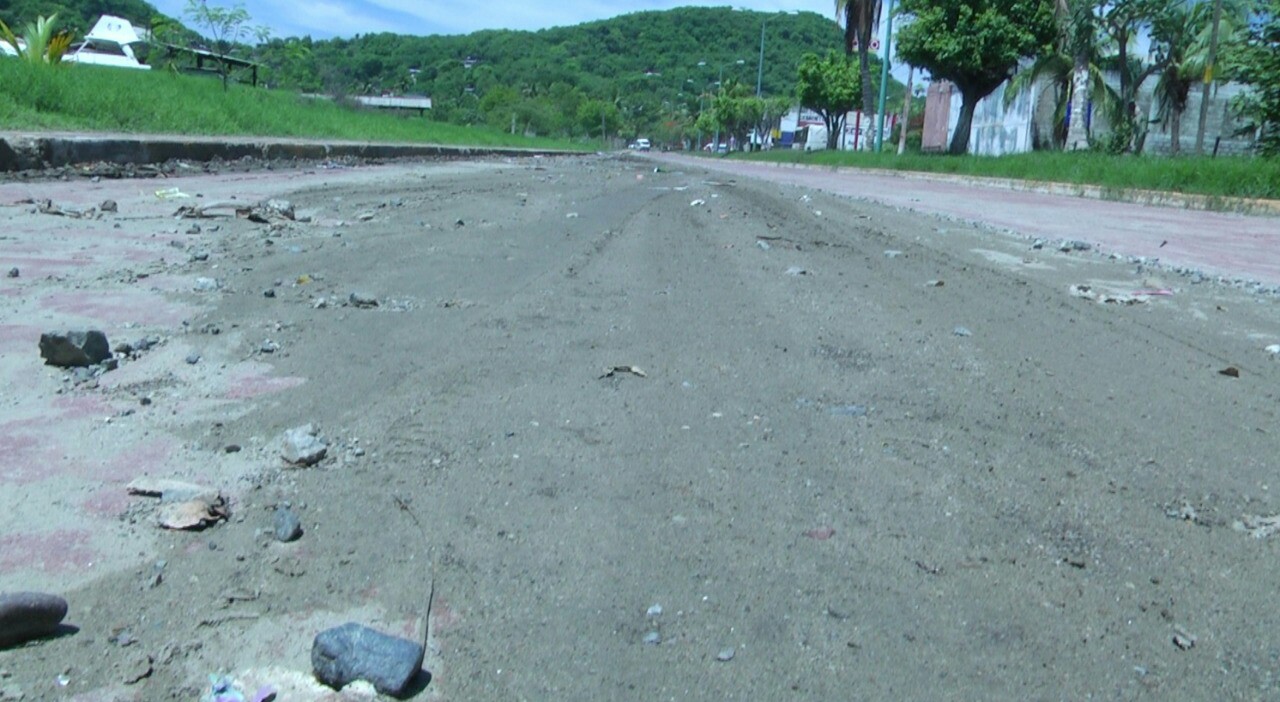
(869, 454)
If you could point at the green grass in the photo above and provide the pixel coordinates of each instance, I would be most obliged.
(1234, 176)
(95, 98)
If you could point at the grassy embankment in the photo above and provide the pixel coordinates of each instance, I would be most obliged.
(94, 98)
(1235, 176)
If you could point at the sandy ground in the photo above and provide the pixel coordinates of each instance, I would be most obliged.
(873, 453)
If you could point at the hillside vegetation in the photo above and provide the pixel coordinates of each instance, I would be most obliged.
(645, 73)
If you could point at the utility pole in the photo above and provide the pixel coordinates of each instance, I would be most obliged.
(884, 73)
(1209, 69)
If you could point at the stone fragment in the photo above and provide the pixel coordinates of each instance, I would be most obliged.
(288, 526)
(351, 652)
(14, 272)
(109, 206)
(74, 349)
(206, 285)
(29, 615)
(303, 446)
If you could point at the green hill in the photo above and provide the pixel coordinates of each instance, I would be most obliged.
(645, 72)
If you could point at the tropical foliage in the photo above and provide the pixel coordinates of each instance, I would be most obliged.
(1258, 63)
(38, 44)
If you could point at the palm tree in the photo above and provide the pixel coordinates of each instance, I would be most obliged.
(1071, 67)
(860, 18)
(1180, 37)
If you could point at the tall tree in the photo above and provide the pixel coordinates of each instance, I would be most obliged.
(860, 19)
(828, 86)
(1179, 44)
(975, 44)
(1072, 67)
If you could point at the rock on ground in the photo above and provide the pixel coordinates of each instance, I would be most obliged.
(29, 615)
(351, 652)
(74, 349)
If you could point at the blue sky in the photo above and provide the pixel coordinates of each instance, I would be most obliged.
(323, 19)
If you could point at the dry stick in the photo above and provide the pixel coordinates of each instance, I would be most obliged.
(431, 595)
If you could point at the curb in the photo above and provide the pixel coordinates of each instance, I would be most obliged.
(33, 151)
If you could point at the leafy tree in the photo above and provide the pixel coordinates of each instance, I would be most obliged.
(975, 44)
(1258, 65)
(829, 86)
(860, 19)
(599, 118)
(226, 27)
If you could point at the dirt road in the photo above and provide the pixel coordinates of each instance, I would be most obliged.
(652, 436)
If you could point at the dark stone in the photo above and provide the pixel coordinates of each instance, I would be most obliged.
(74, 349)
(269, 292)
(29, 615)
(14, 272)
(109, 206)
(344, 654)
(193, 358)
(288, 525)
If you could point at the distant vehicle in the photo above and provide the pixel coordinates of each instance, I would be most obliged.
(641, 145)
(109, 43)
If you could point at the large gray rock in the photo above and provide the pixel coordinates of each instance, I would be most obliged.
(344, 654)
(74, 349)
(303, 446)
(29, 615)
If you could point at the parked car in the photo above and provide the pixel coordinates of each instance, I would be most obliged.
(641, 145)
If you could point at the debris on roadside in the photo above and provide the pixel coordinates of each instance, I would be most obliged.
(698, 203)
(183, 505)
(619, 370)
(362, 300)
(892, 253)
(351, 652)
(1067, 245)
(74, 349)
(171, 194)
(304, 446)
(47, 207)
(934, 283)
(1183, 640)
(797, 271)
(25, 616)
(1273, 349)
(1256, 526)
(962, 331)
(821, 533)
(1087, 292)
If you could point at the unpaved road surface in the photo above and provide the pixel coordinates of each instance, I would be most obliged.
(868, 454)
